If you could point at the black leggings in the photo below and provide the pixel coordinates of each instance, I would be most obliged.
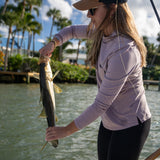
(123, 144)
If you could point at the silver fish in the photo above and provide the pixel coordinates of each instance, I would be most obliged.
(47, 94)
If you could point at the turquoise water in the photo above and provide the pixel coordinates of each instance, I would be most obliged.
(22, 133)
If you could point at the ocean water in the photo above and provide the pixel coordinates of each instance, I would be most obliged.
(22, 133)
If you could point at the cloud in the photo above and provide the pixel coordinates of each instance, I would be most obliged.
(73, 1)
(65, 8)
(41, 40)
(145, 18)
(84, 18)
(44, 11)
(4, 31)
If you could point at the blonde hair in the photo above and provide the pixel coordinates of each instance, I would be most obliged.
(122, 22)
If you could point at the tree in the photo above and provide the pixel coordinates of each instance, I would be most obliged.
(158, 39)
(18, 11)
(151, 51)
(61, 23)
(79, 43)
(5, 6)
(26, 24)
(36, 30)
(9, 19)
(55, 15)
(27, 5)
(35, 27)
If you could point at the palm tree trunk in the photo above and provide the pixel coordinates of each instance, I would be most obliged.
(7, 46)
(79, 43)
(23, 11)
(33, 43)
(29, 43)
(153, 60)
(5, 7)
(20, 50)
(30, 8)
(13, 37)
(51, 29)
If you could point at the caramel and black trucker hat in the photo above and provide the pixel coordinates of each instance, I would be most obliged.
(88, 4)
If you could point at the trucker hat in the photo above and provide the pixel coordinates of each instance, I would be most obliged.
(88, 4)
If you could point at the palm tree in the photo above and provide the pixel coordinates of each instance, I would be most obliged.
(28, 5)
(9, 19)
(18, 11)
(5, 6)
(151, 51)
(79, 43)
(56, 52)
(34, 27)
(158, 39)
(34, 4)
(61, 23)
(13, 40)
(36, 30)
(23, 4)
(55, 15)
(26, 24)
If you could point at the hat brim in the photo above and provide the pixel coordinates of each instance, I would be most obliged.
(85, 5)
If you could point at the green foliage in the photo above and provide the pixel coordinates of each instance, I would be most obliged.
(24, 64)
(152, 73)
(91, 71)
(15, 62)
(71, 50)
(30, 64)
(69, 73)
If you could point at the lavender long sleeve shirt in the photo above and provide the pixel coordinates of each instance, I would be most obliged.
(121, 96)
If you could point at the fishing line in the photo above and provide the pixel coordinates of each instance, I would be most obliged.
(116, 20)
(155, 10)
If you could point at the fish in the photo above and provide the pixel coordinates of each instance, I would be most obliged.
(47, 88)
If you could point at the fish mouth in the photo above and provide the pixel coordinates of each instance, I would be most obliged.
(43, 59)
(54, 143)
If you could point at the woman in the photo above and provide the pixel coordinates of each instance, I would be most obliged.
(118, 53)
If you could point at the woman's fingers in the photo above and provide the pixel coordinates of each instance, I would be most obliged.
(53, 133)
(50, 134)
(47, 50)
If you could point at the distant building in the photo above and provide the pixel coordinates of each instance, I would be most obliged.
(71, 58)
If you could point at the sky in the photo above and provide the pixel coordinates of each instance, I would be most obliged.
(142, 10)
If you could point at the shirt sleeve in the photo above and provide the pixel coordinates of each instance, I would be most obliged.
(75, 31)
(119, 68)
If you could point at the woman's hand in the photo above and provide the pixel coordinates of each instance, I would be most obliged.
(53, 133)
(47, 50)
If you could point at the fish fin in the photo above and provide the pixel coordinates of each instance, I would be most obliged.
(44, 146)
(42, 114)
(57, 89)
(56, 118)
(36, 75)
(55, 75)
